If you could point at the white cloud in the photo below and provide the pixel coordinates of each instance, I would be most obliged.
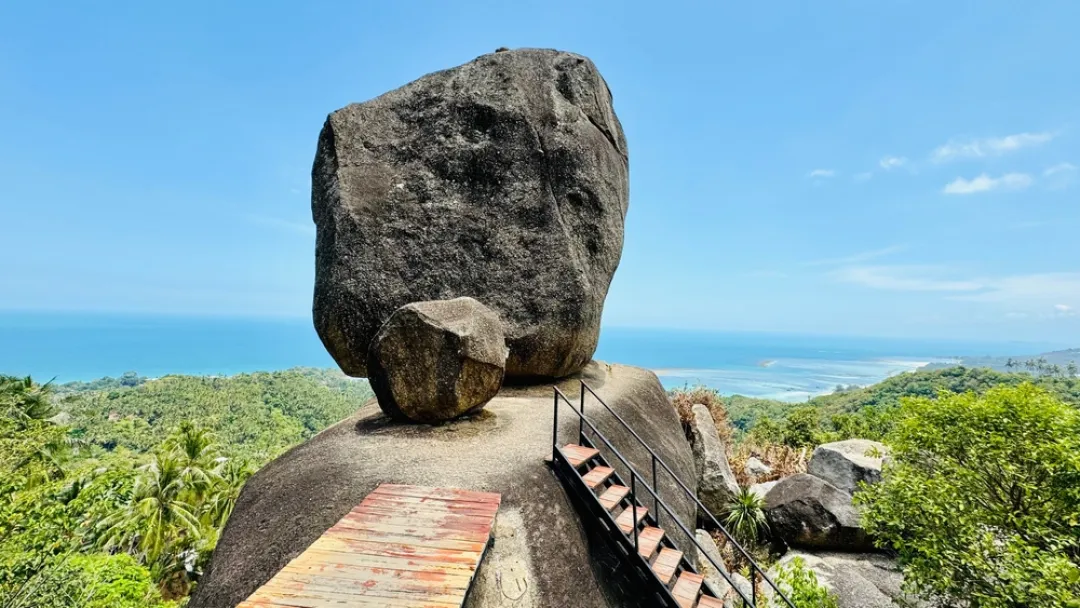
(821, 173)
(1037, 292)
(904, 278)
(892, 162)
(990, 146)
(985, 183)
(1060, 168)
(863, 256)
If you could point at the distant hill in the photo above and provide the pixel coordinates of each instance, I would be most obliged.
(1055, 362)
(745, 412)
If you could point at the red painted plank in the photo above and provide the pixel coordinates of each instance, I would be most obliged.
(402, 547)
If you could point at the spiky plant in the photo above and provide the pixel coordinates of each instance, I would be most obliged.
(745, 516)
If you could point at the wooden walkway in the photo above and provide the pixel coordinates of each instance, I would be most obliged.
(402, 547)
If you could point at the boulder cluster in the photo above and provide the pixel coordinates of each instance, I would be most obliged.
(814, 509)
(810, 515)
(468, 226)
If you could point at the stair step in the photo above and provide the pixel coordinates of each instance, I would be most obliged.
(613, 496)
(648, 540)
(666, 563)
(708, 601)
(686, 589)
(577, 455)
(626, 521)
(597, 476)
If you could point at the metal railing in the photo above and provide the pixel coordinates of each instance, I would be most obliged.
(658, 502)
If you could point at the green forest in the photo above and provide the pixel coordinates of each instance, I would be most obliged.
(113, 492)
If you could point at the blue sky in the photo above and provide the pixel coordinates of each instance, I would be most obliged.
(838, 167)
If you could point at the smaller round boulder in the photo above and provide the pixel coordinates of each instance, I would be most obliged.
(806, 511)
(434, 361)
(846, 464)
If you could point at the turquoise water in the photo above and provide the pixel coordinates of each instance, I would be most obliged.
(782, 366)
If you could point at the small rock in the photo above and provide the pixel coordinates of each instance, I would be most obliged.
(755, 469)
(807, 511)
(717, 487)
(846, 463)
(434, 361)
(761, 490)
(733, 599)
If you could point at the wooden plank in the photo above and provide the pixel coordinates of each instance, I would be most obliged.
(625, 520)
(577, 455)
(402, 547)
(666, 563)
(597, 476)
(648, 540)
(444, 494)
(613, 496)
(708, 601)
(686, 589)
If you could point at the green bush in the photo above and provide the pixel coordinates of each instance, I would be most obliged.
(93, 581)
(982, 499)
(801, 586)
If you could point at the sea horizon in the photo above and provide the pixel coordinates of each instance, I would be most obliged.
(786, 366)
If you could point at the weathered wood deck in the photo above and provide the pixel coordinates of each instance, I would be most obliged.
(402, 547)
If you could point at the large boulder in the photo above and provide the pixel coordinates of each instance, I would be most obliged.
(717, 487)
(434, 361)
(504, 179)
(859, 580)
(542, 554)
(806, 511)
(845, 464)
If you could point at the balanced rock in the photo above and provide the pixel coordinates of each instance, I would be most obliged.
(846, 463)
(717, 487)
(434, 361)
(806, 511)
(504, 179)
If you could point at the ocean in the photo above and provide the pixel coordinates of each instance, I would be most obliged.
(790, 367)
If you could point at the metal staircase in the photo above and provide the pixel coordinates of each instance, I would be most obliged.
(635, 519)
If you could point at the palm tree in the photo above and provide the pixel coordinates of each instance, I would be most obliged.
(157, 517)
(25, 401)
(196, 450)
(232, 473)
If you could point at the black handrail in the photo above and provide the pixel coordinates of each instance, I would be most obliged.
(693, 495)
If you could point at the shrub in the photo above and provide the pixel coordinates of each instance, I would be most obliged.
(801, 586)
(745, 517)
(982, 499)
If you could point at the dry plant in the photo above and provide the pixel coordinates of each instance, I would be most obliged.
(685, 398)
(784, 460)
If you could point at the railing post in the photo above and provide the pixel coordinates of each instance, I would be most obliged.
(656, 491)
(633, 507)
(753, 583)
(555, 428)
(581, 419)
